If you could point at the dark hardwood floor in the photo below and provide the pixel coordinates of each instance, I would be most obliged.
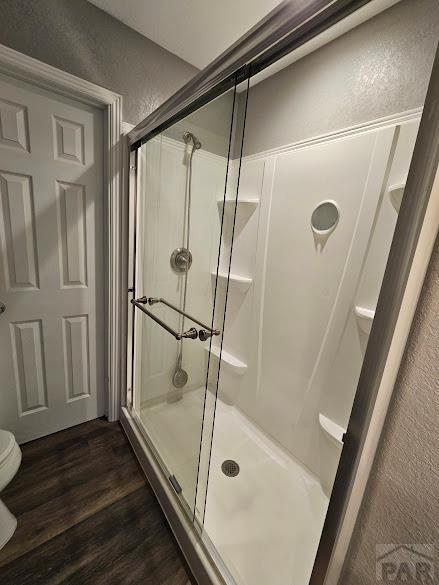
(86, 515)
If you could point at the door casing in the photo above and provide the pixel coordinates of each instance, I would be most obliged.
(20, 66)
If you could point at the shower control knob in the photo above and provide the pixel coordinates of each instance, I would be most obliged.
(2, 307)
(181, 260)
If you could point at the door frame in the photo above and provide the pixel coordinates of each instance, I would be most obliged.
(415, 234)
(19, 66)
(413, 246)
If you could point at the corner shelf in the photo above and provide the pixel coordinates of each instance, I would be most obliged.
(231, 362)
(239, 283)
(396, 193)
(245, 206)
(365, 318)
(332, 429)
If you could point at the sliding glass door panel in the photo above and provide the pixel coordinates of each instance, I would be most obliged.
(182, 179)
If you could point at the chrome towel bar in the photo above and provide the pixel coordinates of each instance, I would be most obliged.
(191, 333)
(203, 334)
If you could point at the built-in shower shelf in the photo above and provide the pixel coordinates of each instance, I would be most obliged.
(365, 318)
(230, 362)
(396, 193)
(331, 428)
(243, 206)
(239, 283)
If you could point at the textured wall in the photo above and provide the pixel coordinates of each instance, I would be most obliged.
(76, 36)
(402, 498)
(381, 67)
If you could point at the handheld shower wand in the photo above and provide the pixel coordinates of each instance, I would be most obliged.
(180, 376)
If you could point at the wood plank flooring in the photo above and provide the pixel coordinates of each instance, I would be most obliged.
(86, 515)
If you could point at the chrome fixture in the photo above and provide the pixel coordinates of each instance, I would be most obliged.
(191, 333)
(208, 331)
(188, 137)
(180, 376)
(204, 334)
(181, 260)
(230, 468)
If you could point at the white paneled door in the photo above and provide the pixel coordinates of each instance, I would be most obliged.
(51, 261)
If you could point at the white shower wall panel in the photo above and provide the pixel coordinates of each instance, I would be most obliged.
(245, 237)
(346, 367)
(162, 209)
(289, 326)
(386, 217)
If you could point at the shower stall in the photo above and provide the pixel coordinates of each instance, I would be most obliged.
(261, 219)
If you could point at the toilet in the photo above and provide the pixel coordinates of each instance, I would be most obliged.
(10, 459)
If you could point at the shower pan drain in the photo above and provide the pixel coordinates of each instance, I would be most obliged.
(230, 468)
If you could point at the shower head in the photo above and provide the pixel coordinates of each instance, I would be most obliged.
(188, 137)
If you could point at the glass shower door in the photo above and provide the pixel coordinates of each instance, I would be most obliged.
(181, 183)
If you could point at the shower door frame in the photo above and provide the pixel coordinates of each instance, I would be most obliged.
(412, 244)
(200, 554)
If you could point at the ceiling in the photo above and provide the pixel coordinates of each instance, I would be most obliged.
(195, 30)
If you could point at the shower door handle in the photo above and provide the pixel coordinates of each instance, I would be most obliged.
(205, 332)
(191, 333)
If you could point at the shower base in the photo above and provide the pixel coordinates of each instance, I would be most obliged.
(266, 522)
